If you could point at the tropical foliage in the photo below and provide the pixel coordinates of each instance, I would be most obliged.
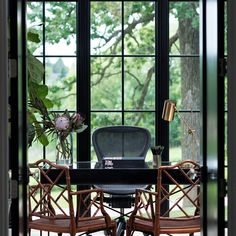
(38, 104)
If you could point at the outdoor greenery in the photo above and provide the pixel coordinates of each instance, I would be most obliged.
(138, 68)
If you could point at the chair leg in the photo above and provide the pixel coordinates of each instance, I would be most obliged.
(114, 231)
(128, 231)
(110, 232)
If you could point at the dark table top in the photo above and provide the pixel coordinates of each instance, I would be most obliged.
(92, 173)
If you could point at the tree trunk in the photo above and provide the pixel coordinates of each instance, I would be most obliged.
(190, 87)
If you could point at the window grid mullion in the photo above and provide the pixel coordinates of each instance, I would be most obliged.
(123, 61)
(162, 128)
(44, 62)
(83, 78)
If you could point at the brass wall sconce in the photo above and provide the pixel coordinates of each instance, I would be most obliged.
(168, 113)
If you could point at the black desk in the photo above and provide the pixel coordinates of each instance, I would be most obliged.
(92, 173)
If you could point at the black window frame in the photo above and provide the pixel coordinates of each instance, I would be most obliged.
(83, 99)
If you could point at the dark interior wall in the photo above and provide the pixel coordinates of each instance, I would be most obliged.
(3, 119)
(231, 117)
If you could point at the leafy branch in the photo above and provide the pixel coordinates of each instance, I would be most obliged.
(38, 103)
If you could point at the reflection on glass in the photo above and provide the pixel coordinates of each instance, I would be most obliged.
(139, 27)
(106, 83)
(184, 28)
(60, 78)
(139, 86)
(60, 17)
(105, 28)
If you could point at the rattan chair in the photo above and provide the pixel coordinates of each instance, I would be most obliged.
(121, 141)
(51, 205)
(181, 216)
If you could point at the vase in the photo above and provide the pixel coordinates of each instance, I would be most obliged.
(64, 149)
(156, 161)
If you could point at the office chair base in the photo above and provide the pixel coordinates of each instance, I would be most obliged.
(121, 226)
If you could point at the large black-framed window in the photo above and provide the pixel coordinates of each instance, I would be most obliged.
(144, 70)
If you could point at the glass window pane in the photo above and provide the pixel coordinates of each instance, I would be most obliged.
(35, 152)
(99, 119)
(60, 17)
(185, 137)
(105, 28)
(226, 93)
(184, 28)
(226, 138)
(142, 119)
(185, 82)
(60, 79)
(175, 153)
(139, 86)
(106, 83)
(139, 27)
(175, 80)
(35, 25)
(226, 30)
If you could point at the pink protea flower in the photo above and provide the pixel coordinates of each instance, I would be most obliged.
(62, 123)
(78, 119)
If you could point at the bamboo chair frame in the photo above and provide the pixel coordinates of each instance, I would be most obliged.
(51, 205)
(149, 215)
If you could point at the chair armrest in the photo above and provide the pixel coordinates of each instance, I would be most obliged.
(84, 191)
(86, 200)
(144, 207)
(140, 190)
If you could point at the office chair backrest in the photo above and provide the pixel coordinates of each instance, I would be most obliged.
(121, 141)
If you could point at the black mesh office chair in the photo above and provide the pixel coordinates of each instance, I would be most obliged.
(121, 141)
